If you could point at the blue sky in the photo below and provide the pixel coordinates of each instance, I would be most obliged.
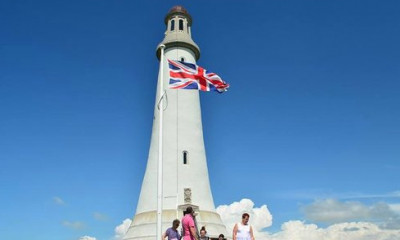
(311, 119)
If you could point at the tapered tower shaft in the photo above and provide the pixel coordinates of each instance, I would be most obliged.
(185, 173)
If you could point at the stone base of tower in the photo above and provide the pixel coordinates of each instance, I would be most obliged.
(144, 224)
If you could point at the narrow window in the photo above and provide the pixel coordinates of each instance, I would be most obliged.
(172, 25)
(182, 59)
(185, 157)
(180, 24)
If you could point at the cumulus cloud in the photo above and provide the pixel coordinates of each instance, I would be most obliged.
(260, 217)
(121, 229)
(299, 230)
(87, 238)
(332, 211)
(58, 201)
(74, 225)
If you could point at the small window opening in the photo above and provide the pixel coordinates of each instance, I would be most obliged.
(180, 24)
(172, 25)
(185, 157)
(182, 59)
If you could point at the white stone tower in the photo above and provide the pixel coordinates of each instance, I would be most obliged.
(185, 175)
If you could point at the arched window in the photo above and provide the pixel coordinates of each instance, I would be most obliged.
(172, 25)
(182, 59)
(185, 157)
(180, 24)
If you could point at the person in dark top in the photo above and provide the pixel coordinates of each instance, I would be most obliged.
(172, 232)
(203, 233)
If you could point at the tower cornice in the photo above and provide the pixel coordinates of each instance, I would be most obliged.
(192, 46)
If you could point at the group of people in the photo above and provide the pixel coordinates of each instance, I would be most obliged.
(241, 230)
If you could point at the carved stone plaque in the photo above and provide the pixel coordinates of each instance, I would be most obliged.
(188, 195)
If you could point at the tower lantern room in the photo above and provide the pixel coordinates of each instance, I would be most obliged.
(179, 31)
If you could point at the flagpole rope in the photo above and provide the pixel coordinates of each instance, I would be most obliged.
(161, 98)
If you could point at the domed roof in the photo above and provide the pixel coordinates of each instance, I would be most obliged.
(178, 10)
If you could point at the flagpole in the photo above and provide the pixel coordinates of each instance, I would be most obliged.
(160, 145)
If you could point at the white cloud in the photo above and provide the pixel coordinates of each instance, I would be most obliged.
(333, 211)
(260, 218)
(322, 193)
(395, 208)
(58, 201)
(87, 238)
(298, 230)
(121, 229)
(395, 194)
(100, 216)
(74, 225)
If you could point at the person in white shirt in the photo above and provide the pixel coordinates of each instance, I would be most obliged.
(242, 230)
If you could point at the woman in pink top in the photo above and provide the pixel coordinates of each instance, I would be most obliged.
(189, 229)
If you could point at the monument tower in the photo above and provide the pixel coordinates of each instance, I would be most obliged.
(185, 174)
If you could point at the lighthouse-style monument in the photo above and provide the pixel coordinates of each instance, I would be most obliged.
(185, 179)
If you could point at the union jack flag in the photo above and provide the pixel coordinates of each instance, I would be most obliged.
(185, 75)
